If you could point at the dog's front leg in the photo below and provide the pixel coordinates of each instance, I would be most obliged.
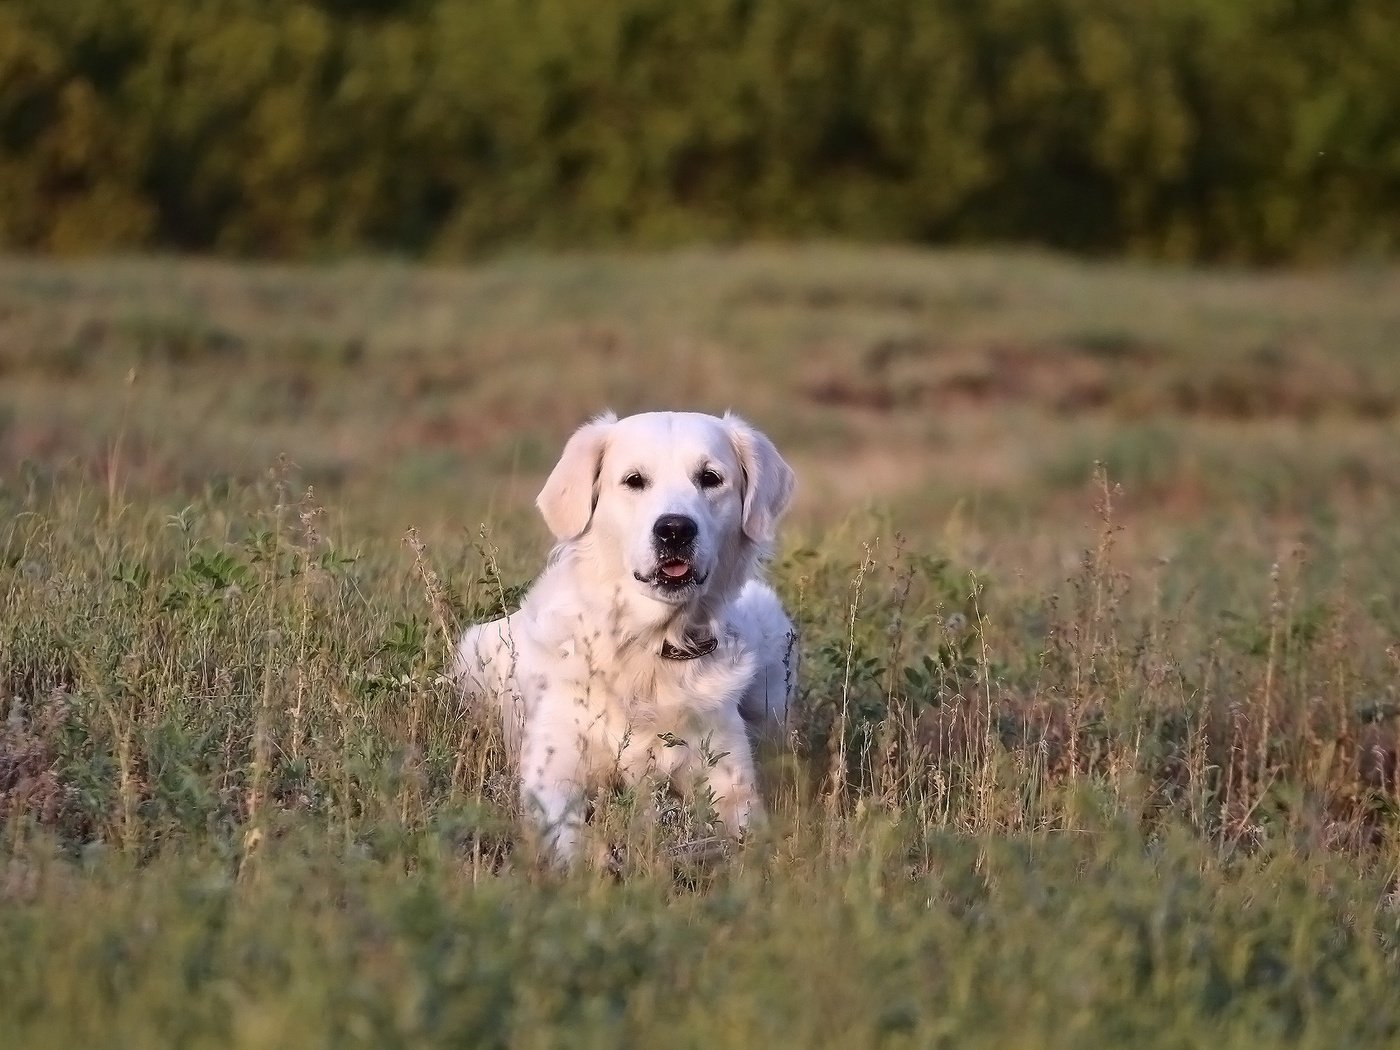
(724, 763)
(737, 802)
(552, 786)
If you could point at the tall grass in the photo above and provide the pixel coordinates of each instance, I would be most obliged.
(242, 805)
(1142, 795)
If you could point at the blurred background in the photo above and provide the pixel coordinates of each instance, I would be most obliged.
(950, 255)
(1238, 130)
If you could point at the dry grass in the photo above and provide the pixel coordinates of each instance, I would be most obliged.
(1084, 756)
(961, 372)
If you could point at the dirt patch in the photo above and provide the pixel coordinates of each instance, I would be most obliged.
(1105, 375)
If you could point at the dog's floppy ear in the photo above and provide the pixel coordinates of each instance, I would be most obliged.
(567, 499)
(768, 480)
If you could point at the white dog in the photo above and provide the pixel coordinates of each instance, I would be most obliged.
(647, 646)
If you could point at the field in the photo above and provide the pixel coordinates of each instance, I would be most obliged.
(1095, 567)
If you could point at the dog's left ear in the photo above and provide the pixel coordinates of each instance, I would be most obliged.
(768, 480)
(568, 496)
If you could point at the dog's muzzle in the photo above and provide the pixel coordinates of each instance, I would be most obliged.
(673, 537)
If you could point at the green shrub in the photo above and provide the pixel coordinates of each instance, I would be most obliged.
(1240, 130)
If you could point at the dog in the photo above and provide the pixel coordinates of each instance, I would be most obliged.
(649, 646)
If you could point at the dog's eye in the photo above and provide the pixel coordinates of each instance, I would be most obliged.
(709, 479)
(635, 481)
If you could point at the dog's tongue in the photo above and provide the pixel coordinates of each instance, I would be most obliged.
(675, 569)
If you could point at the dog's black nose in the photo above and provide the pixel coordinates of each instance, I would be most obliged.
(675, 530)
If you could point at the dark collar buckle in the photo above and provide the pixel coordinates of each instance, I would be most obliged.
(699, 649)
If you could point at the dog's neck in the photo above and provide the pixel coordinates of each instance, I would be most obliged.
(674, 630)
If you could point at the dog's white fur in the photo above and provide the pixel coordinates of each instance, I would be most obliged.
(578, 673)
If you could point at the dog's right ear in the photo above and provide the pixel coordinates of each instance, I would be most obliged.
(568, 496)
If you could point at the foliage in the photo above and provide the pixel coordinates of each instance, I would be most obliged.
(1246, 129)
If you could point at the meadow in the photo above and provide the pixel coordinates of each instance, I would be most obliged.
(1095, 567)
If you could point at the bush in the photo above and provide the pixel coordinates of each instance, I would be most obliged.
(1243, 130)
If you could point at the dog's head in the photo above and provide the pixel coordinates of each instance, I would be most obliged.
(679, 503)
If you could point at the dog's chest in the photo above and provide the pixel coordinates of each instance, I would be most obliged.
(660, 734)
(666, 699)
(663, 717)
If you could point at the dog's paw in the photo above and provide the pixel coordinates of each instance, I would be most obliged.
(703, 851)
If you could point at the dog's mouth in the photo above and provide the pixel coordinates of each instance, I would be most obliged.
(673, 574)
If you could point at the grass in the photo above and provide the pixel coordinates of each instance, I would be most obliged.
(1086, 756)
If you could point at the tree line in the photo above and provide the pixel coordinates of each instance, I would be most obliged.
(1236, 130)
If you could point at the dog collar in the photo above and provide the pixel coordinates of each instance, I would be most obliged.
(705, 648)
